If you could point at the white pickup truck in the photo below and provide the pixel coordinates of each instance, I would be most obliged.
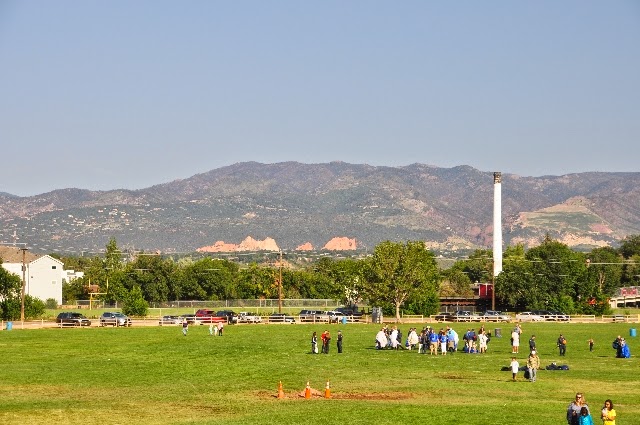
(245, 317)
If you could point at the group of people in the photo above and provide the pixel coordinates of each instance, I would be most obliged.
(533, 364)
(621, 347)
(433, 341)
(578, 412)
(214, 328)
(325, 338)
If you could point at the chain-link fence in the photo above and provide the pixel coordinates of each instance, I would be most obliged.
(321, 304)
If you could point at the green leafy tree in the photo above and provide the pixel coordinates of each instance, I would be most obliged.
(516, 287)
(455, 283)
(558, 272)
(346, 276)
(10, 284)
(630, 246)
(33, 308)
(604, 273)
(75, 290)
(400, 272)
(631, 272)
(135, 304)
(152, 274)
(257, 282)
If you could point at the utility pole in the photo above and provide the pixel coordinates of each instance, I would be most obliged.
(24, 281)
(280, 285)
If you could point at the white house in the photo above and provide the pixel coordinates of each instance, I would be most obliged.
(43, 273)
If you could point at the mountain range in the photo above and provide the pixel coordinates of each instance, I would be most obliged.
(307, 205)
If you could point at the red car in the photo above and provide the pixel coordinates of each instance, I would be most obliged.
(209, 316)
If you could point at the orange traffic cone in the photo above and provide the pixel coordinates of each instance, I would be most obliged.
(327, 391)
(307, 391)
(280, 390)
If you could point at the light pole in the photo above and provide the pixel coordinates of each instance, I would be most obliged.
(24, 282)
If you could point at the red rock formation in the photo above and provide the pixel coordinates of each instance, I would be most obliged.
(341, 244)
(219, 246)
(305, 247)
(248, 244)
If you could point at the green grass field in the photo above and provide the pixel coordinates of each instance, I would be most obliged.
(154, 375)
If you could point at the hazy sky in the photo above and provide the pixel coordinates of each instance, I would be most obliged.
(127, 94)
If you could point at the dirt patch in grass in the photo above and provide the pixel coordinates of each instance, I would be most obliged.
(341, 395)
(453, 376)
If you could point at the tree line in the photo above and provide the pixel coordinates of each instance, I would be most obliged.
(399, 277)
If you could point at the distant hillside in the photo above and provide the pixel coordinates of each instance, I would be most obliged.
(296, 204)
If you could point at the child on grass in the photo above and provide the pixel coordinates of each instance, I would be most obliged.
(585, 417)
(514, 367)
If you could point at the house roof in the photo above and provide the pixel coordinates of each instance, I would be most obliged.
(13, 254)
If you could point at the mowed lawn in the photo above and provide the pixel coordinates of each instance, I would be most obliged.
(155, 375)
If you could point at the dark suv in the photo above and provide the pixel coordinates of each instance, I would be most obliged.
(113, 318)
(231, 316)
(72, 319)
(309, 315)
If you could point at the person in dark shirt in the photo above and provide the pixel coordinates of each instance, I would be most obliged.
(532, 343)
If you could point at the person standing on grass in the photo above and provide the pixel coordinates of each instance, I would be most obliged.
(533, 364)
(608, 413)
(562, 344)
(381, 340)
(314, 343)
(185, 327)
(433, 342)
(590, 344)
(515, 341)
(443, 342)
(339, 342)
(514, 368)
(532, 343)
(575, 408)
(327, 340)
(220, 328)
(585, 417)
(482, 342)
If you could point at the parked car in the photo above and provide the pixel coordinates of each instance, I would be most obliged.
(281, 318)
(495, 316)
(309, 315)
(352, 313)
(246, 317)
(552, 316)
(72, 319)
(329, 316)
(170, 320)
(230, 316)
(114, 318)
(466, 316)
(207, 316)
(528, 316)
(444, 317)
(192, 319)
(560, 316)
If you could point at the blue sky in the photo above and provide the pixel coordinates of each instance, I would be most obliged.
(127, 94)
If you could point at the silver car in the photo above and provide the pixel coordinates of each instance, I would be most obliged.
(114, 318)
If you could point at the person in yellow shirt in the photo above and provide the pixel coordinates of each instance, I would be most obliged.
(608, 413)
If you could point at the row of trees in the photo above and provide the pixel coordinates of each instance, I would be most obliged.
(397, 276)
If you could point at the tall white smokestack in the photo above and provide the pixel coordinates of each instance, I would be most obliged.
(497, 224)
